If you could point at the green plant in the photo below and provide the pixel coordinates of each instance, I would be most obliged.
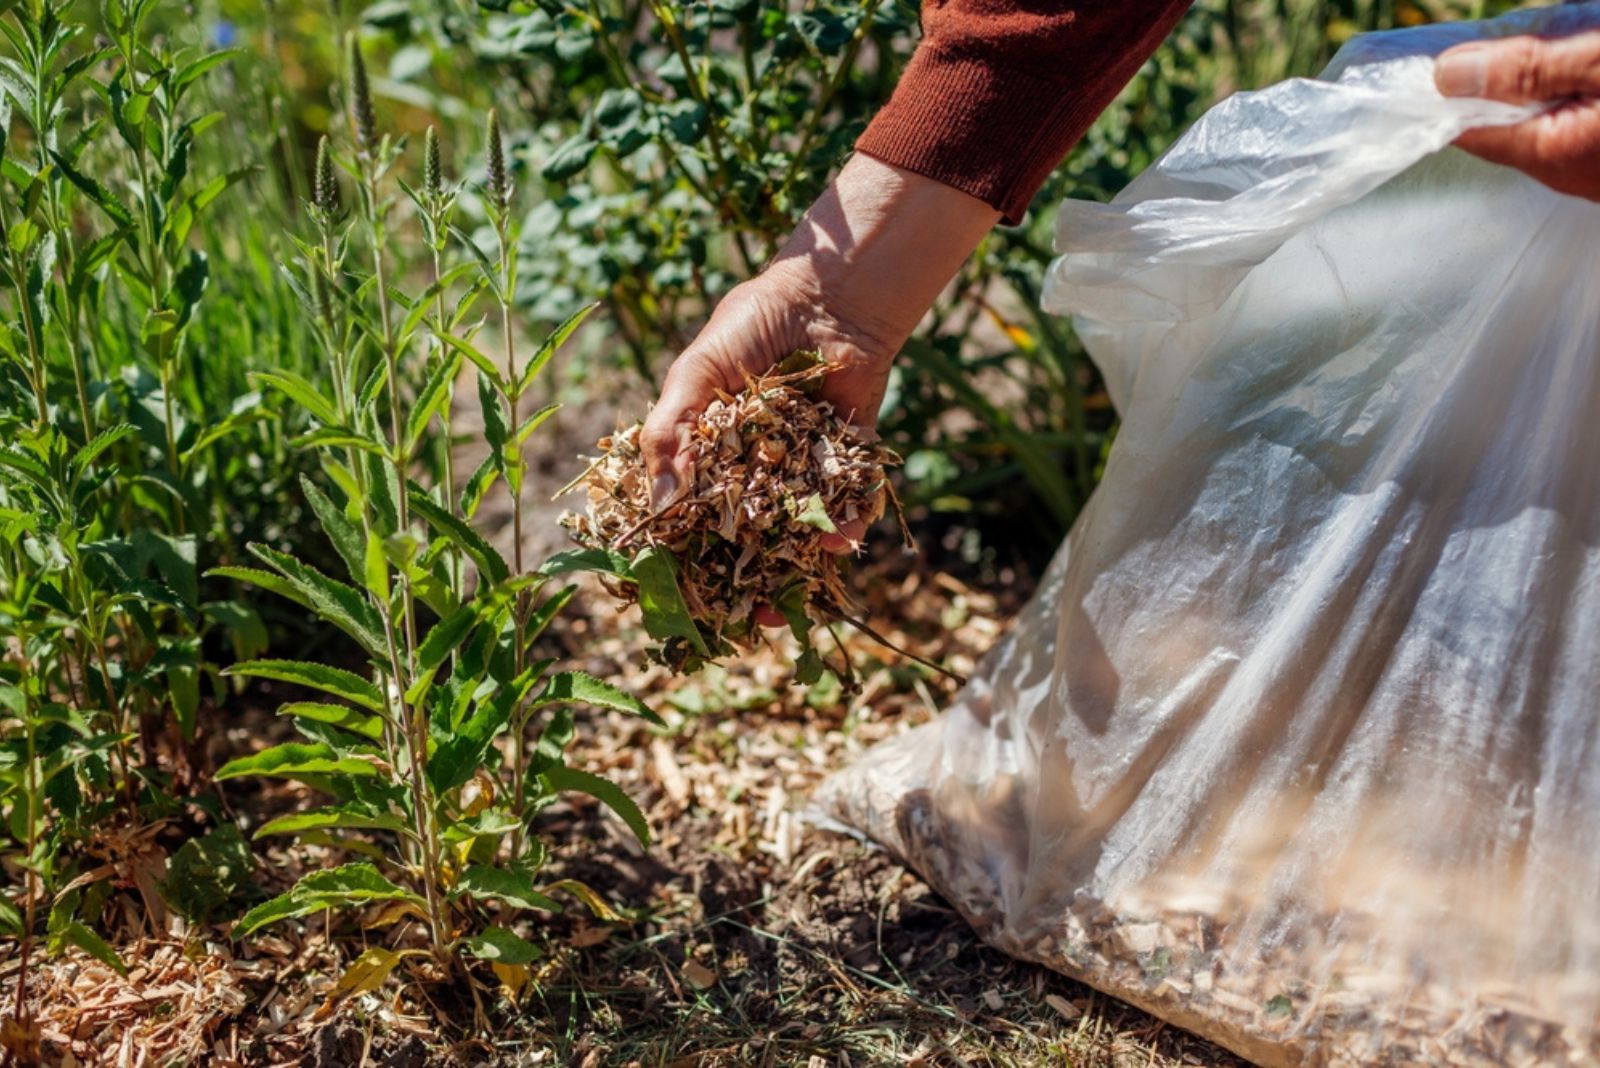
(105, 477)
(410, 749)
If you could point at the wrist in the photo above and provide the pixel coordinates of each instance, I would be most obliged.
(880, 244)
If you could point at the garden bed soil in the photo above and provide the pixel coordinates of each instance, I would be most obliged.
(751, 939)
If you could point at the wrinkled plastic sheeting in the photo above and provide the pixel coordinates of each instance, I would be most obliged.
(1298, 745)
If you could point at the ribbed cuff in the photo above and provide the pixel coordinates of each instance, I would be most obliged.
(994, 133)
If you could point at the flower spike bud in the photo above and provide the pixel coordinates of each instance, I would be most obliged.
(361, 116)
(324, 183)
(499, 177)
(432, 171)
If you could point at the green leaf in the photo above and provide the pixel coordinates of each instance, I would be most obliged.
(501, 946)
(547, 612)
(606, 561)
(459, 755)
(199, 67)
(808, 668)
(351, 884)
(813, 514)
(102, 197)
(74, 933)
(375, 569)
(442, 639)
(339, 604)
(293, 760)
(341, 716)
(576, 687)
(343, 817)
(208, 872)
(483, 363)
(337, 681)
(431, 398)
(569, 158)
(603, 790)
(513, 887)
(344, 534)
(299, 390)
(661, 602)
(100, 443)
(489, 562)
(532, 423)
(791, 604)
(557, 338)
(425, 299)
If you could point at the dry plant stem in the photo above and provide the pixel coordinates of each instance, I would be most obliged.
(865, 628)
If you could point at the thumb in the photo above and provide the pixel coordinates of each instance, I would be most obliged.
(1520, 70)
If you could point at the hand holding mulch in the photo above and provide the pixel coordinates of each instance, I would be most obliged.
(774, 473)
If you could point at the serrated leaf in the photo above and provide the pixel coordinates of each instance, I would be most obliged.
(533, 422)
(431, 399)
(554, 341)
(345, 535)
(99, 194)
(341, 716)
(339, 604)
(581, 688)
(299, 390)
(489, 562)
(293, 760)
(482, 362)
(337, 681)
(603, 790)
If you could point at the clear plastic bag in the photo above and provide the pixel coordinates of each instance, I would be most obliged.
(1298, 745)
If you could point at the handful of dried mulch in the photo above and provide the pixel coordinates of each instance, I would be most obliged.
(774, 471)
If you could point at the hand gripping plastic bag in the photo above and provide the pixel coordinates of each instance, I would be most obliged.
(1298, 745)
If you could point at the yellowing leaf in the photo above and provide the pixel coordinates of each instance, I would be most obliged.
(365, 974)
(582, 892)
(513, 978)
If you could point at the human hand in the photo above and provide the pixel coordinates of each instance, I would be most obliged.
(1561, 146)
(859, 272)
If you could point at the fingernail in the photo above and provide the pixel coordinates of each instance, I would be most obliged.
(663, 490)
(1463, 71)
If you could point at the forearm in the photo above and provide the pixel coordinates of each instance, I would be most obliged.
(880, 244)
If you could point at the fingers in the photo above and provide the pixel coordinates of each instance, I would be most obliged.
(1521, 70)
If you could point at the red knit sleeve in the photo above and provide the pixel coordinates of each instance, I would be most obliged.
(1000, 90)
